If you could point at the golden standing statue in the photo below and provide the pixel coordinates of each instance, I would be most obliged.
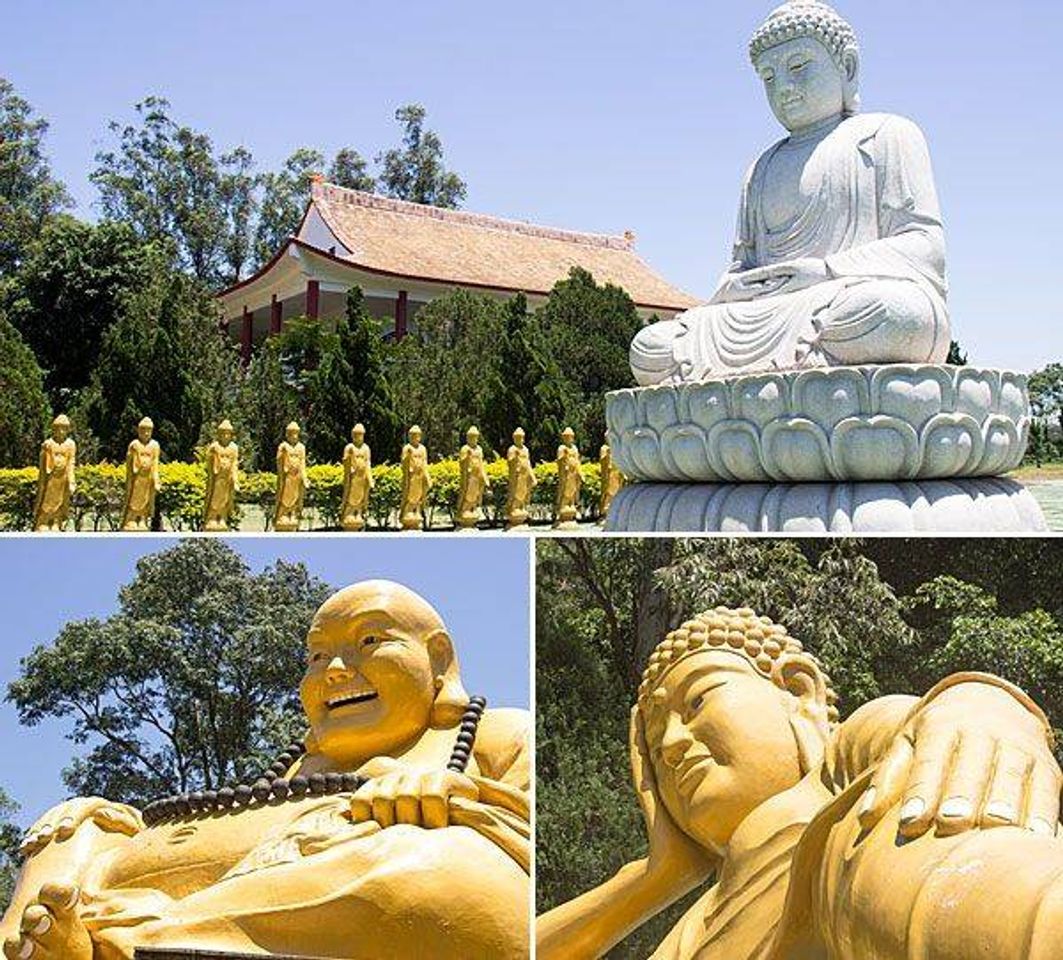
(141, 478)
(918, 827)
(291, 480)
(416, 481)
(521, 482)
(474, 480)
(223, 479)
(611, 481)
(55, 477)
(569, 482)
(400, 827)
(357, 480)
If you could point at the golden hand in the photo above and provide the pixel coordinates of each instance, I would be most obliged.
(62, 822)
(416, 797)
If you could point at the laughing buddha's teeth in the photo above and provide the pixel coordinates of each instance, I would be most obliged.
(348, 700)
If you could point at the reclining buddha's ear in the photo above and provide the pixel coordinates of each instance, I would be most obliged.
(802, 678)
(451, 699)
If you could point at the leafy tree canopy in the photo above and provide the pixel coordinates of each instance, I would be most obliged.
(415, 171)
(192, 683)
(10, 836)
(29, 194)
(24, 410)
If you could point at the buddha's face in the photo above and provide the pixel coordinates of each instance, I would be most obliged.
(292, 434)
(144, 432)
(225, 435)
(803, 83)
(472, 437)
(415, 437)
(721, 743)
(370, 681)
(60, 431)
(358, 435)
(518, 438)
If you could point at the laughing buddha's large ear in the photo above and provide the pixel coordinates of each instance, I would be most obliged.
(801, 677)
(451, 699)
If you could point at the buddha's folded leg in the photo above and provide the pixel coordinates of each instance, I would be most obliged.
(879, 321)
(403, 892)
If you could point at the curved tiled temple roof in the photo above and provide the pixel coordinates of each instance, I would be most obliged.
(400, 239)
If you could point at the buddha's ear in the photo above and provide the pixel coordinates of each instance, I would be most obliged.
(801, 677)
(851, 78)
(451, 699)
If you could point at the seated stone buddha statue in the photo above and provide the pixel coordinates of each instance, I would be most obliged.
(917, 828)
(839, 257)
(398, 828)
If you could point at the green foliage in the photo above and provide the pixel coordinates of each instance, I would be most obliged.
(24, 408)
(415, 171)
(10, 860)
(285, 195)
(188, 685)
(441, 372)
(29, 195)
(587, 329)
(349, 169)
(76, 281)
(267, 403)
(163, 358)
(1046, 401)
(896, 625)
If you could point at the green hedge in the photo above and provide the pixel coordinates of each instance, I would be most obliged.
(97, 503)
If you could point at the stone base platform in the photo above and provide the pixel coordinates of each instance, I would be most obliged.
(890, 422)
(978, 506)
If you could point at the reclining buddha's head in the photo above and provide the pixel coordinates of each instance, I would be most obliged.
(735, 712)
(808, 59)
(381, 670)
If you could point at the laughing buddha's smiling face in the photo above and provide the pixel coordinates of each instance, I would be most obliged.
(377, 655)
(721, 743)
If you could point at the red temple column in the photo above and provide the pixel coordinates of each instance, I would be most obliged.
(400, 315)
(313, 299)
(275, 308)
(245, 337)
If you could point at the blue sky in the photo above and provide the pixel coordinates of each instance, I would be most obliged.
(479, 585)
(600, 115)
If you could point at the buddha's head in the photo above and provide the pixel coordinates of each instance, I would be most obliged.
(61, 428)
(291, 432)
(518, 437)
(224, 433)
(358, 433)
(472, 436)
(735, 712)
(568, 436)
(381, 671)
(808, 59)
(415, 434)
(145, 429)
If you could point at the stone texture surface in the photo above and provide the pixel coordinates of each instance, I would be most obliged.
(994, 505)
(892, 422)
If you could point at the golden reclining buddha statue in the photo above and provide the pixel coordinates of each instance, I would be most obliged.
(918, 828)
(399, 828)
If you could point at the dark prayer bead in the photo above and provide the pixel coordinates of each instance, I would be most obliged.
(299, 786)
(317, 784)
(260, 789)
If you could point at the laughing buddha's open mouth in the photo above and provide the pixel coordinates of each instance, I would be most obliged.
(348, 700)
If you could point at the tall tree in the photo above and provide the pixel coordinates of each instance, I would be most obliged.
(416, 171)
(350, 385)
(29, 194)
(164, 179)
(163, 358)
(268, 401)
(285, 195)
(77, 279)
(1046, 393)
(189, 685)
(23, 405)
(526, 388)
(587, 328)
(349, 169)
(10, 836)
(238, 191)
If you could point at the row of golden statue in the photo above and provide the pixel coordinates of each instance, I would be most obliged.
(55, 484)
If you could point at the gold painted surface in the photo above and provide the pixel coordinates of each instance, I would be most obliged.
(569, 481)
(917, 828)
(55, 478)
(142, 481)
(473, 482)
(357, 480)
(416, 481)
(521, 482)
(419, 862)
(223, 479)
(291, 481)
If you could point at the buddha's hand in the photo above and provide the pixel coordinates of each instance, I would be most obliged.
(63, 821)
(673, 854)
(774, 280)
(416, 797)
(50, 928)
(972, 756)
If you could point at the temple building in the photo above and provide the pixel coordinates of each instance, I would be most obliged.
(403, 255)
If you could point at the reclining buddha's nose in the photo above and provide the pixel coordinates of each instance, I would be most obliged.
(653, 352)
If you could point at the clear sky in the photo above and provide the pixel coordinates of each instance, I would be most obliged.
(599, 115)
(480, 585)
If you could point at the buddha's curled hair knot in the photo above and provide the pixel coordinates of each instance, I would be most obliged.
(761, 641)
(805, 18)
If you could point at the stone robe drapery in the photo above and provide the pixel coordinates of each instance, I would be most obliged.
(873, 218)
